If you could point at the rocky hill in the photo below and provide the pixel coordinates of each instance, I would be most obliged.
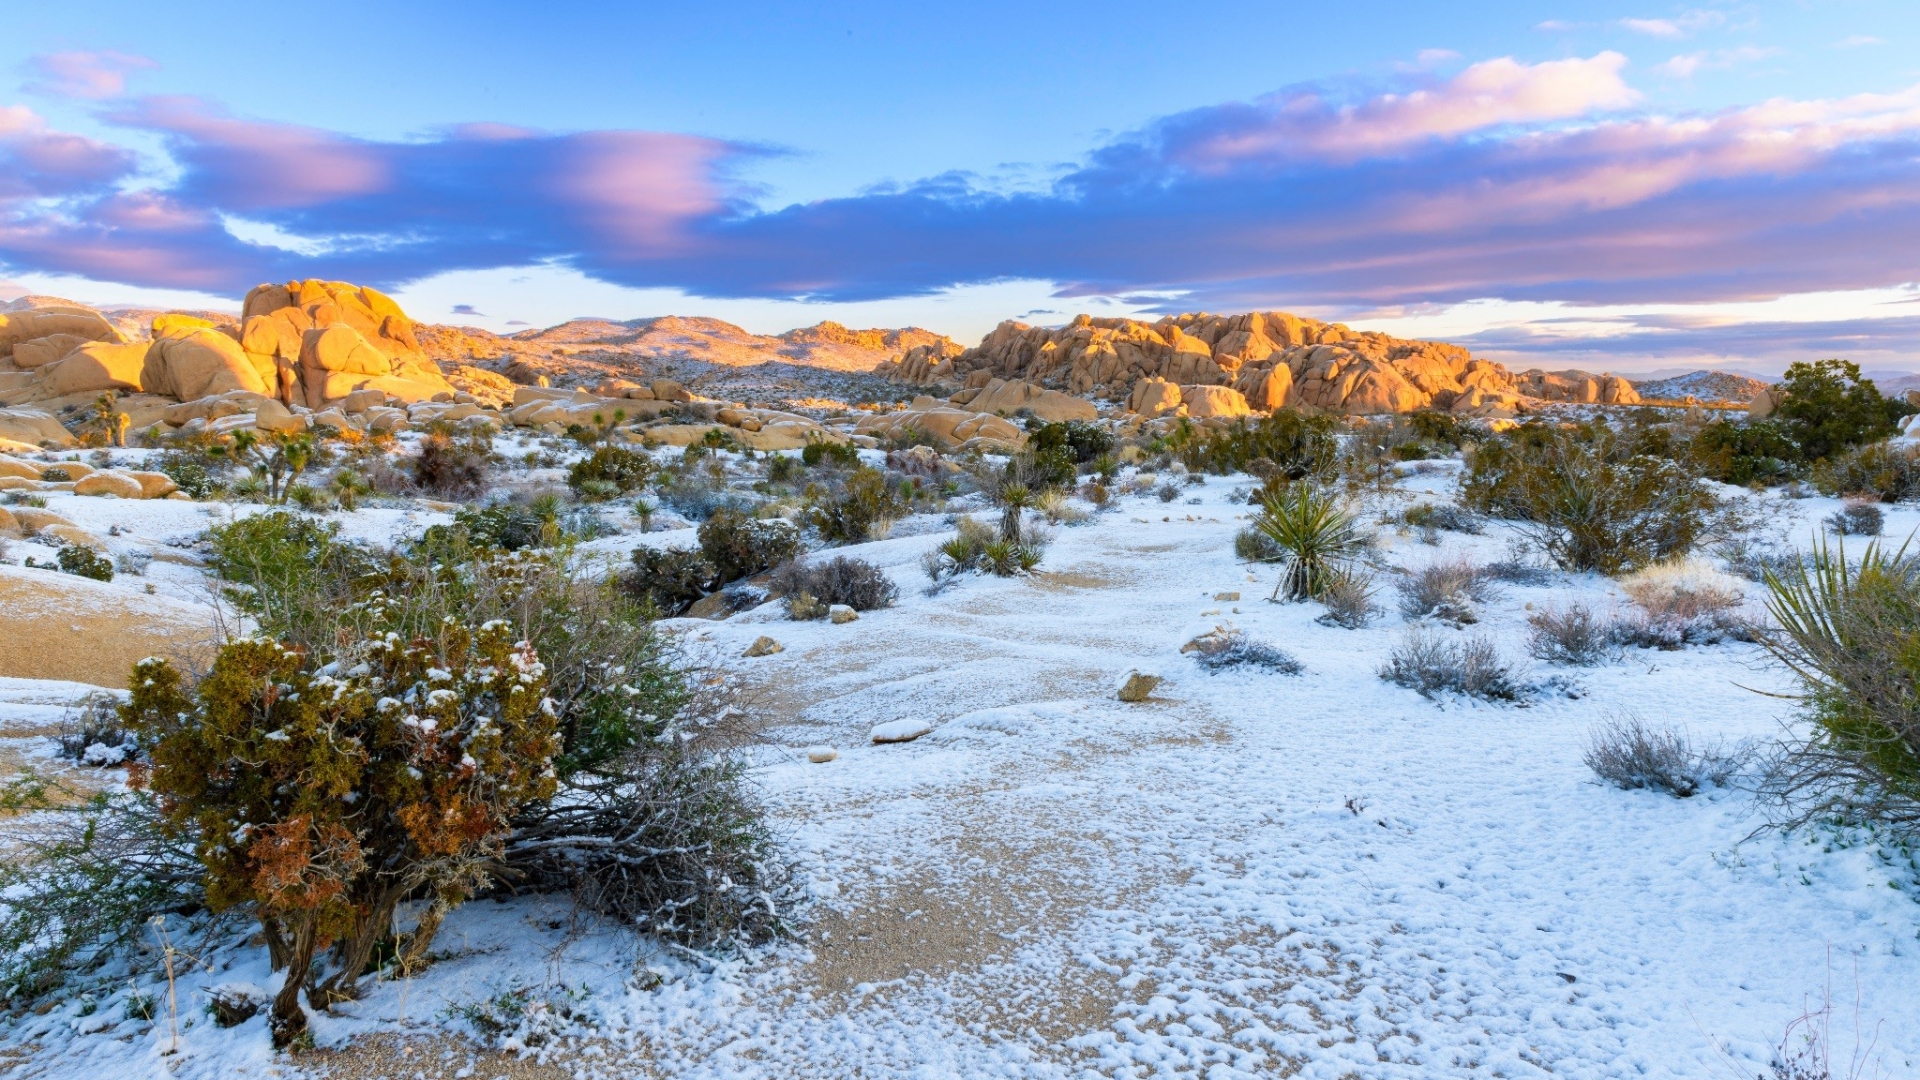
(1230, 364)
(1702, 385)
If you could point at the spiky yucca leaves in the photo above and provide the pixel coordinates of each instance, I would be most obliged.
(1316, 536)
(323, 797)
(1851, 634)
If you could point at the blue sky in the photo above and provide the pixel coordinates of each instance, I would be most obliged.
(1604, 184)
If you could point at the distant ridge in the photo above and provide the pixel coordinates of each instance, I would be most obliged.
(1703, 385)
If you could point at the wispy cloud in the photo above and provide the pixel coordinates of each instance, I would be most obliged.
(1858, 40)
(1686, 66)
(90, 76)
(1680, 26)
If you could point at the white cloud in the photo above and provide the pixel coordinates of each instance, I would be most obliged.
(1678, 27)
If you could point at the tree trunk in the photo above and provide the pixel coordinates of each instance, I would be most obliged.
(289, 1020)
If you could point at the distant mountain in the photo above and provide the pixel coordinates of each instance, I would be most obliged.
(826, 345)
(1702, 385)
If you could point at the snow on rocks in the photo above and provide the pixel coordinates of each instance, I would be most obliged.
(899, 731)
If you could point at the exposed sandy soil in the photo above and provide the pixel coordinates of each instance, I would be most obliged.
(56, 626)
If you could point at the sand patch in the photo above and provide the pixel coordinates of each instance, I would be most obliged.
(57, 626)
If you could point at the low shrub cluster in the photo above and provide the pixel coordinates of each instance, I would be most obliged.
(1317, 537)
(1445, 590)
(1224, 649)
(1573, 635)
(1686, 602)
(861, 508)
(978, 547)
(739, 546)
(1858, 519)
(1286, 443)
(1631, 754)
(608, 473)
(668, 580)
(1433, 663)
(453, 468)
(856, 583)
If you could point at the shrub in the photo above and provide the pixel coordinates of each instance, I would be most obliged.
(696, 494)
(190, 473)
(515, 525)
(1082, 440)
(669, 579)
(1682, 603)
(82, 561)
(1429, 663)
(608, 473)
(1349, 600)
(1747, 453)
(1223, 649)
(1847, 632)
(94, 735)
(856, 583)
(1629, 754)
(1315, 535)
(782, 469)
(452, 468)
(1570, 635)
(864, 506)
(1252, 545)
(1590, 500)
(1882, 470)
(1292, 445)
(322, 796)
(1858, 519)
(1168, 491)
(274, 460)
(1828, 408)
(1442, 516)
(833, 454)
(739, 546)
(1446, 590)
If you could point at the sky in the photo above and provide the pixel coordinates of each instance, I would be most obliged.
(1586, 183)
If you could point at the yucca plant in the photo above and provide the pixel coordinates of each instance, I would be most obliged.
(1851, 634)
(1316, 536)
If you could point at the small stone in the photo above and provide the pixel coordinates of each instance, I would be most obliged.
(764, 646)
(841, 613)
(820, 755)
(1226, 596)
(1138, 687)
(897, 731)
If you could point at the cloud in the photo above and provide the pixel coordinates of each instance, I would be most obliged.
(91, 76)
(1644, 340)
(1506, 179)
(467, 309)
(1858, 40)
(1682, 26)
(1685, 66)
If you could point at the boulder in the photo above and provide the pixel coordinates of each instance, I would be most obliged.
(764, 646)
(668, 390)
(153, 485)
(15, 467)
(820, 755)
(1762, 405)
(110, 482)
(94, 367)
(34, 428)
(32, 519)
(175, 324)
(213, 408)
(1009, 397)
(199, 363)
(9, 525)
(1153, 396)
(1138, 687)
(840, 614)
(43, 322)
(270, 415)
(41, 352)
(1208, 401)
(73, 534)
(900, 731)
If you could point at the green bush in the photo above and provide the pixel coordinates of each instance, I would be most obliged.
(669, 579)
(1082, 440)
(190, 473)
(1296, 446)
(1827, 408)
(822, 451)
(513, 526)
(1755, 452)
(82, 561)
(608, 473)
(740, 546)
(1589, 500)
(861, 507)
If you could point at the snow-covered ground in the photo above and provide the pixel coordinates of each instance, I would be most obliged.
(1250, 874)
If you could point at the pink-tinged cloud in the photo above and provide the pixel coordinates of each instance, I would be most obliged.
(90, 76)
(1525, 181)
(38, 162)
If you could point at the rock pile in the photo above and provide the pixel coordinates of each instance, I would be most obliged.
(1215, 365)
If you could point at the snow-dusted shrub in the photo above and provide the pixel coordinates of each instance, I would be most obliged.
(1252, 545)
(1754, 559)
(94, 734)
(322, 796)
(1848, 631)
(1348, 599)
(1684, 602)
(1857, 518)
(1883, 470)
(1628, 753)
(856, 583)
(82, 561)
(977, 547)
(1224, 648)
(608, 473)
(1428, 518)
(1571, 635)
(1168, 491)
(862, 507)
(1432, 663)
(668, 579)
(739, 546)
(1445, 589)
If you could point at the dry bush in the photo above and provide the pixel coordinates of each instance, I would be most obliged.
(94, 735)
(1570, 635)
(856, 583)
(1432, 664)
(1684, 602)
(1858, 518)
(1348, 599)
(1446, 590)
(452, 468)
(1628, 753)
(1224, 648)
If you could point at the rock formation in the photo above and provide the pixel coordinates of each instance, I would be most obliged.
(1214, 365)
